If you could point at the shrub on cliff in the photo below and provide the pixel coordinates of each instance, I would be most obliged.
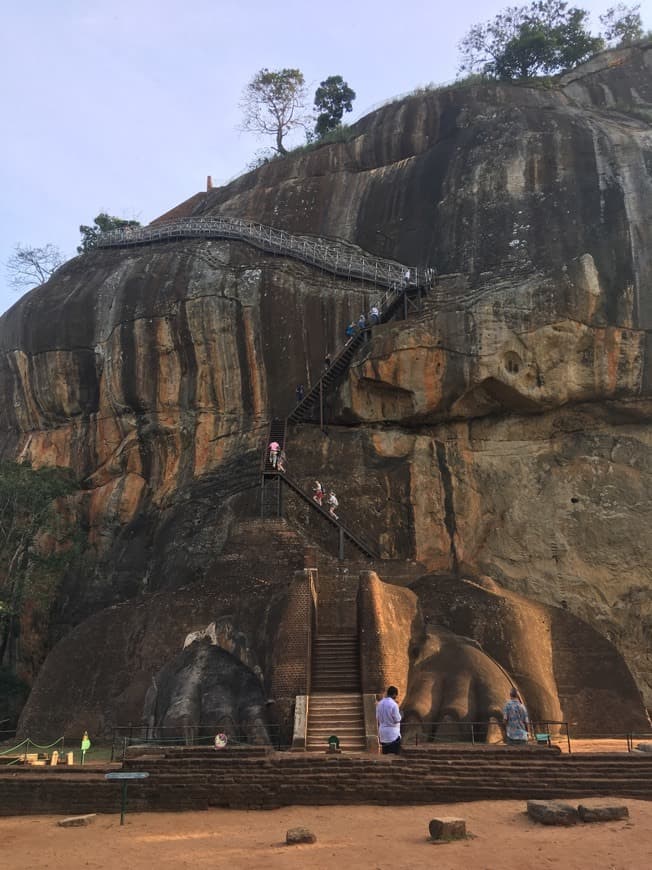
(101, 224)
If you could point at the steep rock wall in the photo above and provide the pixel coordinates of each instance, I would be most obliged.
(504, 431)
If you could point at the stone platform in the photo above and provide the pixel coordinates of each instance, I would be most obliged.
(187, 779)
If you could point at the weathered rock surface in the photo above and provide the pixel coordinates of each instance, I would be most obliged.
(505, 432)
(77, 821)
(552, 813)
(447, 828)
(295, 836)
(603, 813)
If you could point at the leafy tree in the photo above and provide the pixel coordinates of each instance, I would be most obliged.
(545, 37)
(29, 267)
(274, 104)
(333, 97)
(623, 24)
(101, 224)
(32, 553)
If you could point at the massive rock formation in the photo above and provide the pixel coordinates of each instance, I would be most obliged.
(505, 431)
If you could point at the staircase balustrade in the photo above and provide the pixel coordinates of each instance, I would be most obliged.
(339, 258)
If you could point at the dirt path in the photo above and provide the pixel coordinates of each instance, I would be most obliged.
(369, 837)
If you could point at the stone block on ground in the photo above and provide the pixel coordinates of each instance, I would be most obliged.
(299, 835)
(77, 821)
(552, 813)
(447, 828)
(603, 812)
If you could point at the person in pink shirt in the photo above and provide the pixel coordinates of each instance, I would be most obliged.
(274, 450)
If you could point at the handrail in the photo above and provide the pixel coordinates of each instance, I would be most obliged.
(476, 731)
(313, 393)
(339, 258)
(362, 545)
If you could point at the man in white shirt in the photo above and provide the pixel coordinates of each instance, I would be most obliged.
(388, 718)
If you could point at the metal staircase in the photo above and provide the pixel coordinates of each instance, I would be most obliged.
(305, 409)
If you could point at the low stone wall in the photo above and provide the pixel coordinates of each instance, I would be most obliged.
(197, 781)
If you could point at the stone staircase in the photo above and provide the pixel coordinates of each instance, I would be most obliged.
(335, 705)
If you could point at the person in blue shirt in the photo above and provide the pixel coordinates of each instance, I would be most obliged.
(515, 719)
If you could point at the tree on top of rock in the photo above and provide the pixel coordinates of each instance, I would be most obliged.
(333, 97)
(622, 24)
(101, 224)
(522, 41)
(274, 103)
(29, 267)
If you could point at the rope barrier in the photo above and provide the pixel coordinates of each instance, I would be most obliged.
(27, 742)
(49, 746)
(9, 751)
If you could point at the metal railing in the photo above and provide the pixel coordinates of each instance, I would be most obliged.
(200, 735)
(426, 733)
(339, 258)
(638, 737)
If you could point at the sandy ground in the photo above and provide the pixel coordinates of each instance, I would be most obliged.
(391, 838)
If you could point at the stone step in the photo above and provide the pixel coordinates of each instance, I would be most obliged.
(316, 713)
(315, 730)
(351, 661)
(324, 685)
(335, 665)
(342, 643)
(323, 727)
(336, 638)
(353, 706)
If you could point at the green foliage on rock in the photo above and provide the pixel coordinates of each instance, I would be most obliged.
(274, 103)
(35, 544)
(545, 37)
(333, 97)
(101, 224)
(622, 24)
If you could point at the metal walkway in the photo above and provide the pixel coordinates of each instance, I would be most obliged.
(339, 258)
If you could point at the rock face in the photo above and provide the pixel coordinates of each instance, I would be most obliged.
(504, 431)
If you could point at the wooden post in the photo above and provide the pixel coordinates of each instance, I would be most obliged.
(341, 553)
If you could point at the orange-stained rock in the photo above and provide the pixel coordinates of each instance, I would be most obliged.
(502, 430)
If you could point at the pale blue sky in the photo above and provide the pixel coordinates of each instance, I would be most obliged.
(127, 106)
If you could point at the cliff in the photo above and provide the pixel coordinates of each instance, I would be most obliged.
(505, 430)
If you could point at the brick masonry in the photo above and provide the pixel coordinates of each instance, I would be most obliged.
(290, 675)
(199, 779)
